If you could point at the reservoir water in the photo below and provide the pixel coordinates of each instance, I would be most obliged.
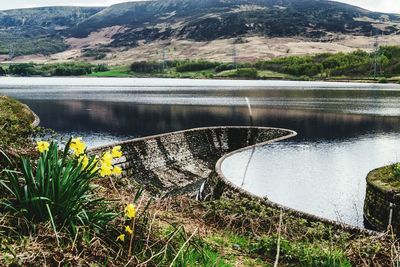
(344, 130)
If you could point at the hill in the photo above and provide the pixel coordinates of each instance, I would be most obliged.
(105, 33)
(39, 30)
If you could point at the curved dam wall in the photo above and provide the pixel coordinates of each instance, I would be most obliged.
(183, 162)
(382, 205)
(180, 162)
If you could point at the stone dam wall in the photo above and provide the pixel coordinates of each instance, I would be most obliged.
(180, 162)
(189, 163)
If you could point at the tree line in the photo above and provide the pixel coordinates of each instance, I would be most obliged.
(60, 69)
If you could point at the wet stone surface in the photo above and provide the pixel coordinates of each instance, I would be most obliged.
(179, 162)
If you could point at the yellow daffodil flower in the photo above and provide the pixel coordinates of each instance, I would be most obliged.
(106, 159)
(106, 170)
(116, 152)
(121, 237)
(77, 146)
(42, 146)
(117, 170)
(130, 211)
(128, 230)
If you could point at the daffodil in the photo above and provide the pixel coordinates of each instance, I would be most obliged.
(42, 146)
(121, 238)
(130, 211)
(106, 170)
(117, 170)
(116, 152)
(128, 230)
(106, 159)
(78, 146)
(84, 160)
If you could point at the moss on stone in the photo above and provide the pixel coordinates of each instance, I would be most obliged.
(15, 122)
(384, 179)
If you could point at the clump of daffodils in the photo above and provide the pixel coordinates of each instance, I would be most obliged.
(130, 213)
(104, 165)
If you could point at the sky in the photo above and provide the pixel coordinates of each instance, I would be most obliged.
(391, 6)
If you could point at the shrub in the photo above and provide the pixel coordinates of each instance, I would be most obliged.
(247, 72)
(57, 188)
(101, 68)
(71, 69)
(225, 66)
(23, 69)
(2, 71)
(98, 53)
(195, 65)
(147, 67)
(396, 170)
(383, 80)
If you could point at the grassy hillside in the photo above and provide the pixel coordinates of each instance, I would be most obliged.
(213, 19)
(44, 30)
(39, 30)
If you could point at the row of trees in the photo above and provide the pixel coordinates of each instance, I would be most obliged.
(183, 66)
(387, 60)
(62, 69)
(357, 63)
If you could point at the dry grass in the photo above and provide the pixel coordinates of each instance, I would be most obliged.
(251, 49)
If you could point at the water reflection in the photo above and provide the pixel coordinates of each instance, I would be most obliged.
(126, 120)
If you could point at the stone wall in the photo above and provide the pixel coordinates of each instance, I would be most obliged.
(179, 162)
(183, 162)
(382, 205)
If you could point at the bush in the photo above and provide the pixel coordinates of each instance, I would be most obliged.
(224, 67)
(71, 69)
(97, 54)
(147, 67)
(383, 80)
(57, 188)
(247, 72)
(195, 65)
(2, 71)
(101, 68)
(23, 69)
(396, 170)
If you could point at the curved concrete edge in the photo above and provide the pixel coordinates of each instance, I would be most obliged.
(103, 147)
(36, 120)
(222, 178)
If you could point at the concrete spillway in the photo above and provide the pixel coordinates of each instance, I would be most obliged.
(179, 162)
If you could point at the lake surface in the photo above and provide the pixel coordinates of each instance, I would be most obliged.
(344, 130)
